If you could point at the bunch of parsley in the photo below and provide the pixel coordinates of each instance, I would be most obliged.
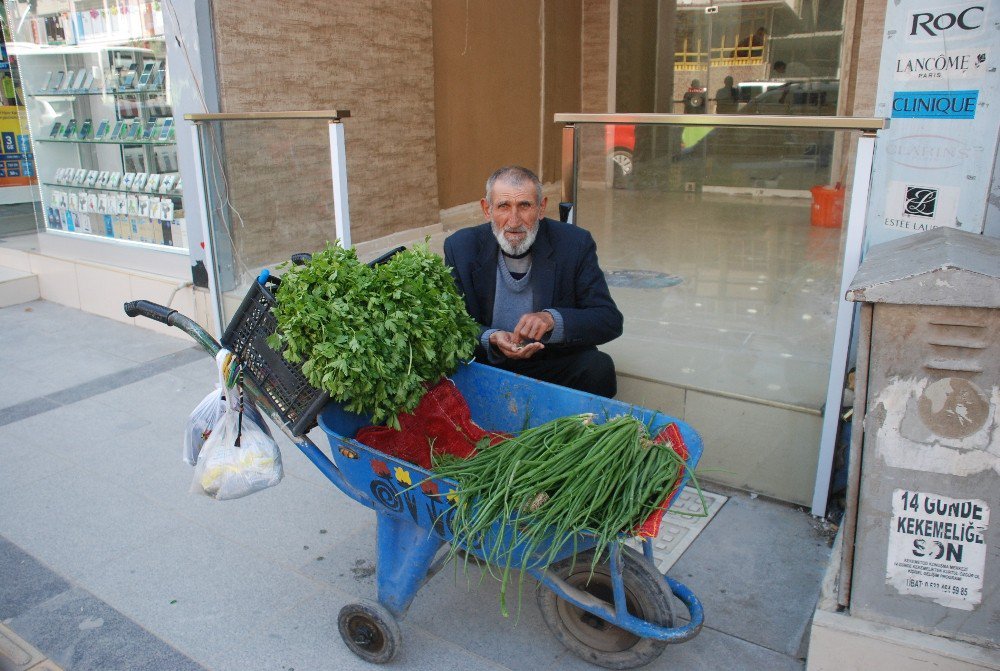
(371, 337)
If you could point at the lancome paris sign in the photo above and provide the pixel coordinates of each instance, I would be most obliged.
(960, 64)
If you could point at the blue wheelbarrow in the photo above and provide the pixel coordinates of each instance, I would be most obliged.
(618, 615)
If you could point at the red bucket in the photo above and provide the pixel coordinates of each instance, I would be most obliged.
(827, 206)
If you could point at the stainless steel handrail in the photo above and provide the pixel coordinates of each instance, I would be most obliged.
(864, 124)
(333, 115)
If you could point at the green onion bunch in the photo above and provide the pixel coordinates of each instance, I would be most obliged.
(555, 481)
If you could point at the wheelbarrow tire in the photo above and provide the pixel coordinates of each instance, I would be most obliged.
(370, 631)
(598, 641)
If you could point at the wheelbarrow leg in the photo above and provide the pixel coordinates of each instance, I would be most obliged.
(405, 554)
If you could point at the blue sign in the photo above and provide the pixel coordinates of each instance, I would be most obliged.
(934, 104)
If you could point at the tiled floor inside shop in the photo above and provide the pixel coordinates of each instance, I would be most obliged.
(721, 293)
(17, 218)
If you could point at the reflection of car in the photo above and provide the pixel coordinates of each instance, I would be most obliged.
(775, 157)
(621, 148)
(818, 98)
(745, 91)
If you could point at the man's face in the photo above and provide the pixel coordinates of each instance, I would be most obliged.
(514, 214)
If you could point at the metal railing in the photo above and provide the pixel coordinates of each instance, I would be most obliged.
(867, 127)
(338, 166)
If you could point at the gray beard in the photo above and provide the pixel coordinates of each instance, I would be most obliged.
(512, 250)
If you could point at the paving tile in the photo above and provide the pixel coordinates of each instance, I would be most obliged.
(760, 586)
(474, 621)
(29, 380)
(716, 649)
(194, 588)
(347, 563)
(67, 427)
(79, 632)
(288, 524)
(306, 637)
(78, 522)
(166, 397)
(23, 460)
(26, 583)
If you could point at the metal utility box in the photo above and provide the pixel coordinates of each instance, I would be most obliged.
(925, 470)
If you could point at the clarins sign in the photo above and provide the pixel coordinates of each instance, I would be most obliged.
(927, 152)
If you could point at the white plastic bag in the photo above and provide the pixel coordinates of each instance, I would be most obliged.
(238, 459)
(207, 414)
(199, 425)
(229, 443)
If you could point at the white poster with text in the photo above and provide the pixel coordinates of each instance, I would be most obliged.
(937, 548)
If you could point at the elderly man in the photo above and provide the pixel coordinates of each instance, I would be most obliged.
(536, 289)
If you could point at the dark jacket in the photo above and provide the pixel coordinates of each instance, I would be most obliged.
(564, 275)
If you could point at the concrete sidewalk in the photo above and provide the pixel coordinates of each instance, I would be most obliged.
(107, 562)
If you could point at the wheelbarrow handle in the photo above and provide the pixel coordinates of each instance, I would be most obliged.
(150, 310)
(171, 317)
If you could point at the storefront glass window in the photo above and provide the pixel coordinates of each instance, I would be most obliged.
(95, 82)
(721, 268)
(773, 58)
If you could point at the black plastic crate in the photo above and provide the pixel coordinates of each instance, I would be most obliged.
(282, 382)
(292, 396)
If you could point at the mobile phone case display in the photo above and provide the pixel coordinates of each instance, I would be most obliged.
(101, 119)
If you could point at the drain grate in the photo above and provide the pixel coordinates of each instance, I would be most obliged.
(641, 279)
(677, 532)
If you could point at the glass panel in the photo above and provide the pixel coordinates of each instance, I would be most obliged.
(727, 291)
(95, 83)
(270, 195)
(18, 193)
(773, 58)
(757, 45)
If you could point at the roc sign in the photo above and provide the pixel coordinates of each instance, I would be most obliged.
(937, 547)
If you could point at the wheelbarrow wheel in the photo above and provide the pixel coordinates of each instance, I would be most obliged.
(594, 639)
(370, 631)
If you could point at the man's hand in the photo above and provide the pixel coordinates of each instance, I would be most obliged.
(533, 326)
(512, 347)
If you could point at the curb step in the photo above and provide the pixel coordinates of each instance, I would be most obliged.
(17, 286)
(16, 654)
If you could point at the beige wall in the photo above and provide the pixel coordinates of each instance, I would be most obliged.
(563, 58)
(864, 23)
(635, 81)
(501, 70)
(372, 57)
(594, 58)
(595, 72)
